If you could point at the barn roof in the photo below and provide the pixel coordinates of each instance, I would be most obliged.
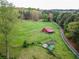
(47, 29)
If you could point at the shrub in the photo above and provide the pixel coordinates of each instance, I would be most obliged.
(34, 57)
(73, 28)
(68, 35)
(25, 44)
(45, 20)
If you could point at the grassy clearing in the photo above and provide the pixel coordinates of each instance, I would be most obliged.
(31, 32)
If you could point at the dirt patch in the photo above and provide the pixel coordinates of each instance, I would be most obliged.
(73, 43)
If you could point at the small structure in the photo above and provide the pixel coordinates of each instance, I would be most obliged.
(47, 30)
(51, 42)
(45, 45)
(50, 45)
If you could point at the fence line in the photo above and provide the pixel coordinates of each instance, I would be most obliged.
(67, 42)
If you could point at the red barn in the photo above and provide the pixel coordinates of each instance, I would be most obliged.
(47, 30)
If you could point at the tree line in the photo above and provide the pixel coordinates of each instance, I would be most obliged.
(8, 18)
(70, 23)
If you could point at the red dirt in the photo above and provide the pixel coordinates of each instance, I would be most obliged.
(73, 43)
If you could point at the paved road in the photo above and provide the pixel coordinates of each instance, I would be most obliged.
(68, 44)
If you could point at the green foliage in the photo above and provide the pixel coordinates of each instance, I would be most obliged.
(68, 35)
(7, 20)
(55, 15)
(34, 57)
(30, 14)
(73, 28)
(25, 45)
(76, 35)
(64, 18)
(31, 32)
(45, 20)
(70, 23)
(44, 15)
(1, 58)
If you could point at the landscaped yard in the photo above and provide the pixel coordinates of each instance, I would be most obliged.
(31, 32)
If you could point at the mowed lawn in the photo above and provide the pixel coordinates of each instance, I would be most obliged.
(31, 32)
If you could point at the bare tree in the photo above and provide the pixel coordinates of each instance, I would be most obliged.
(50, 17)
(35, 15)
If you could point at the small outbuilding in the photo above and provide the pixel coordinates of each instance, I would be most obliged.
(50, 45)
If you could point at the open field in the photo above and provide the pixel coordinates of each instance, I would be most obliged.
(31, 32)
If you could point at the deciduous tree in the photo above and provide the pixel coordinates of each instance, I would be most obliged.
(7, 20)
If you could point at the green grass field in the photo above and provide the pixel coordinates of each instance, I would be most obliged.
(31, 32)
